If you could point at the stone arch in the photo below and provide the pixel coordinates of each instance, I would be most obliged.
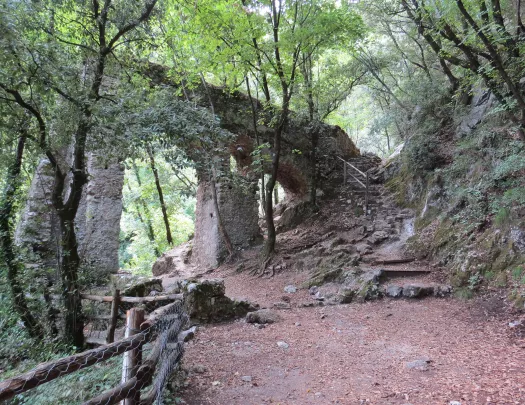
(289, 176)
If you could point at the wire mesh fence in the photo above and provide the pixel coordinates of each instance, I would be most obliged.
(134, 369)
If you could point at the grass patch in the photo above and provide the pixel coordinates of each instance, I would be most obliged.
(463, 293)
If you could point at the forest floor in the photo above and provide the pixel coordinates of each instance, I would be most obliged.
(431, 351)
(419, 352)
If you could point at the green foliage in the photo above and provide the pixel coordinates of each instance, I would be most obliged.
(18, 351)
(474, 281)
(518, 273)
(422, 153)
(485, 177)
(502, 217)
(463, 293)
(142, 207)
(77, 387)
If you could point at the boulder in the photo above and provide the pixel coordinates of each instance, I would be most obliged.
(417, 290)
(206, 302)
(355, 285)
(282, 305)
(290, 289)
(377, 237)
(262, 316)
(442, 290)
(394, 291)
(140, 287)
(293, 214)
(364, 283)
(173, 261)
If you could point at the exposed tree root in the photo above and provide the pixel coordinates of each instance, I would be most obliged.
(264, 265)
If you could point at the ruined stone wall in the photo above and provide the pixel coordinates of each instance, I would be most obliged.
(206, 242)
(238, 206)
(97, 221)
(38, 230)
(239, 209)
(98, 218)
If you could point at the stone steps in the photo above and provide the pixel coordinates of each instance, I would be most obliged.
(397, 273)
(416, 290)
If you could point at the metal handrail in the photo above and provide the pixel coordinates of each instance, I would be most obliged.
(365, 175)
(356, 179)
(352, 166)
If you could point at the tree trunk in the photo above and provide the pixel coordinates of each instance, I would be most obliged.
(161, 196)
(313, 163)
(520, 30)
(69, 263)
(146, 220)
(269, 248)
(254, 118)
(306, 71)
(286, 92)
(13, 266)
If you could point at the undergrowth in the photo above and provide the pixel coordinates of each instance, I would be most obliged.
(480, 197)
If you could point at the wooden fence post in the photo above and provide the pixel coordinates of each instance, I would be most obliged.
(110, 338)
(132, 358)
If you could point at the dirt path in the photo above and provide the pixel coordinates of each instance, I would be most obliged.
(386, 352)
(356, 354)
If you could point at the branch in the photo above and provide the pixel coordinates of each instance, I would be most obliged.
(64, 94)
(96, 6)
(59, 177)
(22, 103)
(128, 27)
(64, 41)
(496, 61)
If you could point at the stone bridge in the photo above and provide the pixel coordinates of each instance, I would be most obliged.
(100, 211)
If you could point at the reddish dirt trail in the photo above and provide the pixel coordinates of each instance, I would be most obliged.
(356, 353)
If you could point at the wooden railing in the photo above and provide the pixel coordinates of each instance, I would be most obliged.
(163, 328)
(115, 300)
(364, 176)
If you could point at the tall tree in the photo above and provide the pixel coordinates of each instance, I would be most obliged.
(269, 41)
(474, 36)
(160, 193)
(66, 49)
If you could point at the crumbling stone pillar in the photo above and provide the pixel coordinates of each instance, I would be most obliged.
(238, 205)
(98, 217)
(38, 229)
(97, 221)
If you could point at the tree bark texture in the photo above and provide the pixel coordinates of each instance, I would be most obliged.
(169, 238)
